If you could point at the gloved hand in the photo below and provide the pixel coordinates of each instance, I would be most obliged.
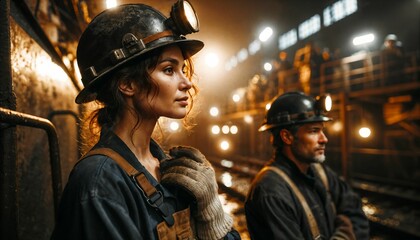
(343, 229)
(189, 169)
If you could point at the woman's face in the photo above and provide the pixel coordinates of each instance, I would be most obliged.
(171, 99)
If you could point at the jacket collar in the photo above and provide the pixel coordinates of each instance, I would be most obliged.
(280, 160)
(109, 139)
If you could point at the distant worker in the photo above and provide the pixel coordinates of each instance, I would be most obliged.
(136, 64)
(284, 64)
(295, 196)
(392, 59)
(392, 43)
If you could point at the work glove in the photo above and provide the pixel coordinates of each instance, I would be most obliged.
(343, 229)
(189, 169)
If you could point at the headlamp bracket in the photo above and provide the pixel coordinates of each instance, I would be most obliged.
(132, 44)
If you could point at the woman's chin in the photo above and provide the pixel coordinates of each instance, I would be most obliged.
(178, 115)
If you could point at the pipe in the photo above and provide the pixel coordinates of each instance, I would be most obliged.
(76, 117)
(18, 118)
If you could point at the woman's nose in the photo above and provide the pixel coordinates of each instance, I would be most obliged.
(186, 84)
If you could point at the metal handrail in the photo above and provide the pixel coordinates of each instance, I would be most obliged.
(18, 118)
(52, 114)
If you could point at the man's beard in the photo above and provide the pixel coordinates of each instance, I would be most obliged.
(306, 158)
(319, 158)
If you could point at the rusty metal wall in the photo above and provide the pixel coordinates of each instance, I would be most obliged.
(40, 88)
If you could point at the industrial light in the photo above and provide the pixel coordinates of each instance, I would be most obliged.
(174, 126)
(337, 126)
(364, 39)
(225, 129)
(268, 67)
(226, 163)
(254, 47)
(224, 145)
(212, 60)
(364, 132)
(111, 4)
(214, 111)
(234, 129)
(266, 34)
(236, 97)
(248, 119)
(215, 129)
(227, 179)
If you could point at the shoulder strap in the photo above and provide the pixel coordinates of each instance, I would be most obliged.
(321, 173)
(153, 196)
(309, 215)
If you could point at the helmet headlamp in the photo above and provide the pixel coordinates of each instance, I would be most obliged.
(183, 18)
(323, 104)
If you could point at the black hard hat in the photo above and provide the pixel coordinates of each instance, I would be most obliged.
(123, 33)
(294, 108)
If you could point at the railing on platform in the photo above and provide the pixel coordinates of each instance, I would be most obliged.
(17, 118)
(353, 74)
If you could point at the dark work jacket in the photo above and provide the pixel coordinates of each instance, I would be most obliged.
(274, 212)
(100, 201)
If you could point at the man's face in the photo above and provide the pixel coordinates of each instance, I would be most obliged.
(309, 142)
(390, 43)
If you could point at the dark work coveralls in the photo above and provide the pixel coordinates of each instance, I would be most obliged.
(274, 212)
(100, 201)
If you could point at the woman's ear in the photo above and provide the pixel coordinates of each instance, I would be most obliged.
(127, 88)
(286, 136)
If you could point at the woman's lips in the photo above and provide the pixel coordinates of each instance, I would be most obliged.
(183, 101)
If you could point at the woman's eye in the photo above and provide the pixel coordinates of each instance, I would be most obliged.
(168, 70)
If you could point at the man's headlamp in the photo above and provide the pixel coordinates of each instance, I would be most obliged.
(183, 18)
(323, 104)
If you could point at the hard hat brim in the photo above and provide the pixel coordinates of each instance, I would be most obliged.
(266, 127)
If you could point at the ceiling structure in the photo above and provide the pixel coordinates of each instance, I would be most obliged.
(227, 26)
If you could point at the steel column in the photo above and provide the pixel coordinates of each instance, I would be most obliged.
(345, 161)
(8, 138)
